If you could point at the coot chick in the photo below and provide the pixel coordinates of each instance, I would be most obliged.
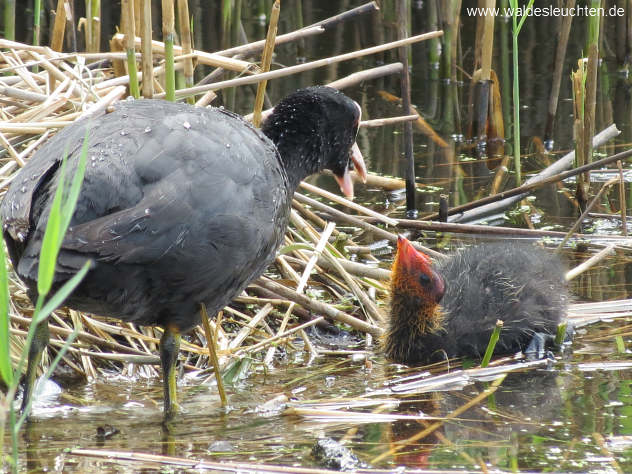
(450, 310)
(179, 206)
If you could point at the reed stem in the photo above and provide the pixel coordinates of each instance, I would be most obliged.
(211, 342)
(266, 60)
(127, 8)
(168, 34)
(187, 43)
(146, 50)
(9, 19)
(516, 27)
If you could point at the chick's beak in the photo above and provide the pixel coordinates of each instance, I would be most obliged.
(411, 260)
(409, 257)
(345, 182)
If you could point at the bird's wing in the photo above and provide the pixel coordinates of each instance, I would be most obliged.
(16, 206)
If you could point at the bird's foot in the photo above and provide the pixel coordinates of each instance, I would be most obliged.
(536, 350)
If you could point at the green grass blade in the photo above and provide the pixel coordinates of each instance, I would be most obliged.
(293, 247)
(493, 339)
(58, 298)
(70, 202)
(524, 16)
(62, 209)
(62, 351)
(6, 371)
(51, 240)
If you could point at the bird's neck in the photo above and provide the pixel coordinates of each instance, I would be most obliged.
(300, 157)
(300, 145)
(412, 318)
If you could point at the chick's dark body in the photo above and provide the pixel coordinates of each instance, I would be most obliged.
(179, 206)
(519, 284)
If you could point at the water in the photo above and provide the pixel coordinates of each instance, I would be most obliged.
(536, 419)
(573, 417)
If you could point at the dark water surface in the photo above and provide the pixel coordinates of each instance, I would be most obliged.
(572, 417)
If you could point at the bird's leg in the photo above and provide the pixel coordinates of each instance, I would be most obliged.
(537, 347)
(169, 348)
(38, 344)
(540, 341)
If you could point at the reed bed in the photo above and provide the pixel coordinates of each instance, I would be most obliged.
(272, 312)
(69, 87)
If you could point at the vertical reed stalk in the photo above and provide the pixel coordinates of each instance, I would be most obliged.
(168, 36)
(622, 201)
(57, 38)
(299, 23)
(487, 42)
(93, 25)
(187, 44)
(482, 79)
(450, 25)
(504, 71)
(88, 26)
(127, 10)
(266, 59)
(402, 20)
(434, 45)
(9, 19)
(590, 102)
(516, 27)
(560, 54)
(478, 37)
(138, 14)
(579, 89)
(147, 60)
(37, 14)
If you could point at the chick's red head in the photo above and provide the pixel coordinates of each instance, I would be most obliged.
(412, 273)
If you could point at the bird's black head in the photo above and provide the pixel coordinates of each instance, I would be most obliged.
(315, 129)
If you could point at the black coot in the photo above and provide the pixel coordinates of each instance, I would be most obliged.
(451, 310)
(179, 206)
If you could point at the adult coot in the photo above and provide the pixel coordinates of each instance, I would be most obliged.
(451, 310)
(179, 206)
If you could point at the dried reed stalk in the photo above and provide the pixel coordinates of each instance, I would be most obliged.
(266, 59)
(146, 50)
